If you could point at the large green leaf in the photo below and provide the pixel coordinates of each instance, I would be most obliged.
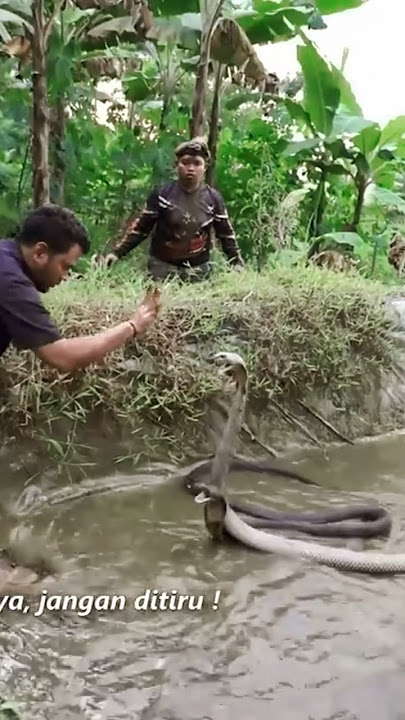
(294, 198)
(339, 149)
(400, 149)
(321, 93)
(184, 30)
(271, 23)
(123, 52)
(118, 25)
(348, 102)
(327, 7)
(393, 133)
(294, 148)
(368, 139)
(71, 16)
(342, 238)
(137, 86)
(164, 8)
(9, 18)
(345, 124)
(383, 173)
(268, 6)
(377, 196)
(20, 7)
(337, 169)
(190, 63)
(238, 99)
(297, 112)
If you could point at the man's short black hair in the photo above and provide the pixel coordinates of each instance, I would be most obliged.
(58, 227)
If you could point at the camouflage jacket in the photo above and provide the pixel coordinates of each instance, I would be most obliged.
(181, 224)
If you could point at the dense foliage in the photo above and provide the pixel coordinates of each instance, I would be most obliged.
(299, 166)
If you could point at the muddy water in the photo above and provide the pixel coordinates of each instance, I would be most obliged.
(301, 643)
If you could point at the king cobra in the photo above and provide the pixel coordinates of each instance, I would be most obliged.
(221, 518)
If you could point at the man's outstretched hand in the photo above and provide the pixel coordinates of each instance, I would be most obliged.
(148, 311)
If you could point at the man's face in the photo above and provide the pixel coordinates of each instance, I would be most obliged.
(49, 269)
(190, 170)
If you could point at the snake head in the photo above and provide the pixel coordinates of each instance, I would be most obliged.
(233, 365)
(214, 510)
(206, 494)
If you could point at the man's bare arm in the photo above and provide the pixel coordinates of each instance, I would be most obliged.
(67, 355)
(71, 354)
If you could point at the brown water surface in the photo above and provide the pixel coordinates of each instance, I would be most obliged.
(287, 640)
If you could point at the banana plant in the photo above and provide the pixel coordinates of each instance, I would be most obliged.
(339, 141)
(158, 78)
(263, 21)
(69, 68)
(53, 42)
(225, 32)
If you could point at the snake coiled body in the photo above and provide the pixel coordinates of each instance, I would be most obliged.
(338, 558)
(221, 518)
(345, 522)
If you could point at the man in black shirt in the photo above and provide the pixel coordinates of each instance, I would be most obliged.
(49, 244)
(181, 215)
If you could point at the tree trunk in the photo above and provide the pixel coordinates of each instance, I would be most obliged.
(200, 88)
(200, 92)
(57, 131)
(315, 227)
(40, 121)
(319, 206)
(165, 112)
(214, 125)
(361, 184)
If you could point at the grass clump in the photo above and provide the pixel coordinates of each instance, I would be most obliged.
(298, 329)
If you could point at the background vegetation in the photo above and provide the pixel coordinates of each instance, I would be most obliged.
(300, 167)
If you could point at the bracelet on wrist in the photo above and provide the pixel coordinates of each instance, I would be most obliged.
(134, 328)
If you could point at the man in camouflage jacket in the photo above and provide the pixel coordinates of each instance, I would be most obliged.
(181, 216)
